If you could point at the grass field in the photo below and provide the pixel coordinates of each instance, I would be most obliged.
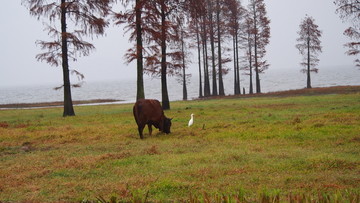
(273, 145)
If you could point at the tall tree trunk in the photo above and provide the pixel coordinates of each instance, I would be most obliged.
(184, 85)
(308, 64)
(221, 83)
(164, 90)
(206, 73)
(206, 68)
(68, 105)
(237, 63)
(183, 66)
(235, 70)
(199, 58)
(251, 90)
(212, 44)
(206, 64)
(257, 77)
(140, 94)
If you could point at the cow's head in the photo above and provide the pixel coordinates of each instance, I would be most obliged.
(167, 125)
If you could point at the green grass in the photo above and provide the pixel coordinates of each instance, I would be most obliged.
(269, 145)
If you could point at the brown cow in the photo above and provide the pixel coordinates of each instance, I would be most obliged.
(149, 112)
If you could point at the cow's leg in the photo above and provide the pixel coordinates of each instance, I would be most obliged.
(141, 128)
(150, 129)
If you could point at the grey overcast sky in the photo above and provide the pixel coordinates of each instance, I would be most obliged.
(19, 31)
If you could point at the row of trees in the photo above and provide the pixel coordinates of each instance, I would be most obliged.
(221, 31)
(210, 26)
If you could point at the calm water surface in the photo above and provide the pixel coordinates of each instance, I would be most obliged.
(272, 80)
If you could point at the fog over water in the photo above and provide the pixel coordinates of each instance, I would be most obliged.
(125, 89)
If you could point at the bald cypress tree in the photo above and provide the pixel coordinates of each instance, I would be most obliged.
(134, 20)
(309, 46)
(86, 17)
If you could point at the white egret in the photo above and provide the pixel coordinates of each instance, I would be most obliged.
(191, 121)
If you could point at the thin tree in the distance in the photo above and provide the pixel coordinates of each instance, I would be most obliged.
(194, 9)
(201, 17)
(260, 33)
(211, 26)
(236, 14)
(349, 10)
(87, 18)
(309, 46)
(180, 54)
(219, 10)
(247, 41)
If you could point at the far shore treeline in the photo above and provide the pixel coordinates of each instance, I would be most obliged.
(224, 34)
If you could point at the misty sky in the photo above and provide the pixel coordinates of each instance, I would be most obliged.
(19, 31)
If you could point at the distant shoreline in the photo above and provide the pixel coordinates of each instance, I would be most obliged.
(297, 92)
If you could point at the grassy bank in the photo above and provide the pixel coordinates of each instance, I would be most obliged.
(282, 145)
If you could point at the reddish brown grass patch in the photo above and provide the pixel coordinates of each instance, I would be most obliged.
(4, 125)
(152, 150)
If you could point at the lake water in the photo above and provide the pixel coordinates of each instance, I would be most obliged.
(272, 80)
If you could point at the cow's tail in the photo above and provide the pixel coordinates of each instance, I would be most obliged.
(136, 110)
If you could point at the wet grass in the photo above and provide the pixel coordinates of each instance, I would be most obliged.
(277, 146)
